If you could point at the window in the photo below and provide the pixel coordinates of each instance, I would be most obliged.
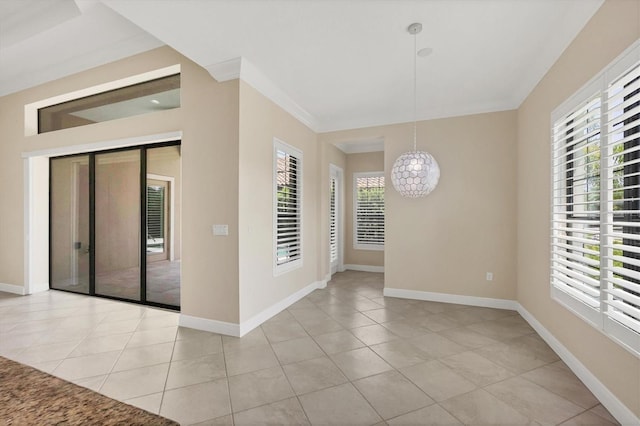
(595, 244)
(155, 95)
(333, 221)
(156, 206)
(287, 207)
(368, 203)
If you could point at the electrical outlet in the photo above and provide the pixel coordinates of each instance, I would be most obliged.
(489, 276)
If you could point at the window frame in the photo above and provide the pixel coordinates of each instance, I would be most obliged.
(357, 245)
(598, 317)
(31, 109)
(296, 263)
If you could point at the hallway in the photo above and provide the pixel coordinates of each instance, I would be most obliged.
(341, 355)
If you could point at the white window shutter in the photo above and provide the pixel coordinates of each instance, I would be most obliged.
(333, 222)
(575, 261)
(621, 277)
(287, 207)
(595, 226)
(369, 210)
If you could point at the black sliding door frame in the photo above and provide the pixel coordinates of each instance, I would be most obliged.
(92, 222)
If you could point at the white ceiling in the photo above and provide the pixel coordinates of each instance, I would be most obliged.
(346, 64)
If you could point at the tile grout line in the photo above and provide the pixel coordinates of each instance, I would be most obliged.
(166, 379)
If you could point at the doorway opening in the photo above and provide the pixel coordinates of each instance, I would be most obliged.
(114, 224)
(335, 219)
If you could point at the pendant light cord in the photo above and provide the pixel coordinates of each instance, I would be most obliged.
(415, 93)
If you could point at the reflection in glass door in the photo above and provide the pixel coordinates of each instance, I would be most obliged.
(69, 212)
(117, 224)
(163, 236)
(114, 224)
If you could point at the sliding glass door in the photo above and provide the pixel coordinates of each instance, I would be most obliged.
(163, 234)
(69, 224)
(117, 224)
(113, 219)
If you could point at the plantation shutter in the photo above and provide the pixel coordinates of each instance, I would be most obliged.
(333, 237)
(595, 241)
(288, 207)
(369, 194)
(621, 277)
(575, 262)
(155, 211)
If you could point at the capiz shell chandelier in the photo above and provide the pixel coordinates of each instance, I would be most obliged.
(415, 173)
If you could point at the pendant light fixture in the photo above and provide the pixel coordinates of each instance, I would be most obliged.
(415, 173)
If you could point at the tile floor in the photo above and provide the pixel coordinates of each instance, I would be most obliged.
(343, 355)
(163, 283)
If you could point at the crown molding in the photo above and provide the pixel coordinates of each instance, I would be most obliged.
(431, 114)
(244, 70)
(225, 71)
(361, 145)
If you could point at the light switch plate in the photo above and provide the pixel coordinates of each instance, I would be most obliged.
(220, 229)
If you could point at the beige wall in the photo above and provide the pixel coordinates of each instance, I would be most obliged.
(260, 121)
(208, 118)
(469, 219)
(358, 163)
(612, 29)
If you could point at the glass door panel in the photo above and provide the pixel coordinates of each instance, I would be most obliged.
(70, 246)
(117, 224)
(163, 236)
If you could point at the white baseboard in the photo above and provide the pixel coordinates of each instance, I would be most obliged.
(256, 320)
(12, 288)
(451, 298)
(323, 284)
(39, 288)
(239, 330)
(364, 268)
(617, 409)
(213, 326)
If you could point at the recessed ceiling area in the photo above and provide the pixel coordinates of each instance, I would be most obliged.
(44, 40)
(346, 64)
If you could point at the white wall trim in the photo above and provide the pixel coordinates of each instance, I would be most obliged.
(363, 268)
(486, 302)
(35, 162)
(31, 110)
(276, 308)
(28, 217)
(620, 411)
(12, 288)
(204, 324)
(357, 146)
(227, 70)
(102, 145)
(38, 287)
(239, 330)
(323, 283)
(247, 72)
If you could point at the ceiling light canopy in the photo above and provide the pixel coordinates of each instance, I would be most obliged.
(415, 173)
